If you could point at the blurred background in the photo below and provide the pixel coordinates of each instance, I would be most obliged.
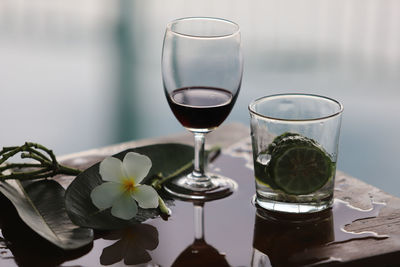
(76, 75)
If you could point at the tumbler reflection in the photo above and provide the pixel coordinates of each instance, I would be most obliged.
(279, 237)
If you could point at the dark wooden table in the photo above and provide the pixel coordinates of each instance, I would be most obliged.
(235, 233)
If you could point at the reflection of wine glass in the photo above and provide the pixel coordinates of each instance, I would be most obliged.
(199, 253)
(202, 68)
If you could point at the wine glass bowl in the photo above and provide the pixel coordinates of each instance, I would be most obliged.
(201, 109)
(202, 67)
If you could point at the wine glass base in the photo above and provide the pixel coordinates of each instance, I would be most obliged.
(220, 187)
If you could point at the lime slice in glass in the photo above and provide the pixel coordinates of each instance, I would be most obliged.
(300, 169)
(261, 171)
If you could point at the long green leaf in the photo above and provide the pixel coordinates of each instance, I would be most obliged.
(41, 205)
(167, 159)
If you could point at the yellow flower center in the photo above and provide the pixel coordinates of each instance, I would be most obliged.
(128, 185)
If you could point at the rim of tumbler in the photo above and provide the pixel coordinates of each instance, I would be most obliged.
(235, 31)
(252, 111)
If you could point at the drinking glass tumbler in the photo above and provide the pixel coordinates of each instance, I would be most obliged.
(295, 147)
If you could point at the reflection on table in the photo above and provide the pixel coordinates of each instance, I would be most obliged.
(278, 237)
(200, 253)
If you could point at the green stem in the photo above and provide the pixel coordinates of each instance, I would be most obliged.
(159, 180)
(47, 166)
(19, 166)
(9, 153)
(45, 149)
(67, 170)
(39, 154)
(31, 156)
(163, 208)
(6, 149)
(213, 153)
(26, 176)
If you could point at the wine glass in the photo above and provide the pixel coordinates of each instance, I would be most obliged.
(202, 67)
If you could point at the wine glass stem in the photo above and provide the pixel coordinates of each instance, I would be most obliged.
(198, 178)
(199, 141)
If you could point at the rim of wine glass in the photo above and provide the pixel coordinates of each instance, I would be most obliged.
(234, 32)
(334, 114)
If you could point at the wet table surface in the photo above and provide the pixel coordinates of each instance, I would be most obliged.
(362, 228)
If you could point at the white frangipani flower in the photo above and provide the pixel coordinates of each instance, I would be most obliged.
(122, 188)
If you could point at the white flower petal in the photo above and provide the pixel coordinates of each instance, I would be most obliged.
(105, 194)
(136, 166)
(111, 170)
(124, 207)
(146, 196)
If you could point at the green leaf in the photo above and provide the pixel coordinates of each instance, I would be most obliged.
(167, 159)
(41, 205)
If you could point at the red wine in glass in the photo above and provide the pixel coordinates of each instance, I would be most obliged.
(202, 108)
